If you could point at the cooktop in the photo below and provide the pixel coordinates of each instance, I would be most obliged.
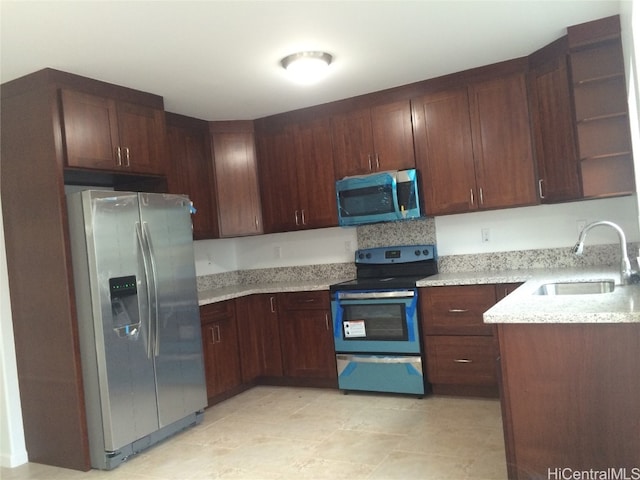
(391, 267)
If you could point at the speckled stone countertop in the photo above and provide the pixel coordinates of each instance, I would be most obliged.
(523, 306)
(219, 294)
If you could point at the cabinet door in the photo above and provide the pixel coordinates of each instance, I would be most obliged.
(570, 396)
(220, 346)
(307, 339)
(142, 138)
(191, 175)
(236, 176)
(444, 152)
(352, 140)
(314, 166)
(393, 136)
(90, 131)
(502, 142)
(278, 181)
(552, 120)
(259, 336)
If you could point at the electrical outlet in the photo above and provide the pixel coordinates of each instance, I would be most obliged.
(580, 224)
(277, 252)
(348, 247)
(485, 235)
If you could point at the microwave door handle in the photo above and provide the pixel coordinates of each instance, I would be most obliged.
(394, 195)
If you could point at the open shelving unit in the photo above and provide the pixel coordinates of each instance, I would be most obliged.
(600, 107)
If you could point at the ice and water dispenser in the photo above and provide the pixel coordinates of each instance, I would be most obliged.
(124, 305)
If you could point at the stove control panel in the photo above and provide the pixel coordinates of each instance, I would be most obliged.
(398, 254)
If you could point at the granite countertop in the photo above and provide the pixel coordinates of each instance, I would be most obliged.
(522, 306)
(219, 294)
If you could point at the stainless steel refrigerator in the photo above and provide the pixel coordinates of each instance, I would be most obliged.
(138, 319)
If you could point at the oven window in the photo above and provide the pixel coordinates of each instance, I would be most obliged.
(375, 322)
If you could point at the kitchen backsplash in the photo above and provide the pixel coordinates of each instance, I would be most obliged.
(547, 258)
(413, 232)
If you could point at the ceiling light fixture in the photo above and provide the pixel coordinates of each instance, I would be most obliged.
(307, 67)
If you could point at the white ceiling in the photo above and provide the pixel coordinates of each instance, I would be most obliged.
(219, 60)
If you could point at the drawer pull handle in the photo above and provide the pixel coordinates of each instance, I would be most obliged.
(458, 310)
(272, 304)
(462, 360)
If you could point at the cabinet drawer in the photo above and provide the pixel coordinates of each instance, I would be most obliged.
(216, 311)
(315, 300)
(461, 360)
(457, 310)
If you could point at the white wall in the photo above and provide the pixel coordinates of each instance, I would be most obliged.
(12, 447)
(542, 226)
(328, 245)
(630, 24)
(526, 228)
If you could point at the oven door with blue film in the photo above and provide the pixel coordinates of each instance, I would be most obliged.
(376, 321)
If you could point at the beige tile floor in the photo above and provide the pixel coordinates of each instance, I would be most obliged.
(299, 433)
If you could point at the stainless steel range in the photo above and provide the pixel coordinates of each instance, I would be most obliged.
(376, 327)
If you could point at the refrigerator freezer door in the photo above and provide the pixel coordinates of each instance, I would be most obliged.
(177, 348)
(121, 320)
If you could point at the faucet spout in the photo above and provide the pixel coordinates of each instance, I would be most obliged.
(625, 265)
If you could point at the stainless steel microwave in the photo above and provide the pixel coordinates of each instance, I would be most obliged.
(378, 197)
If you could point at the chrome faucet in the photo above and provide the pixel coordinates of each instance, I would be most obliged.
(625, 265)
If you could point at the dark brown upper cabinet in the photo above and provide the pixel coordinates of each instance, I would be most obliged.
(473, 145)
(236, 178)
(191, 171)
(552, 124)
(601, 111)
(296, 176)
(105, 134)
(373, 139)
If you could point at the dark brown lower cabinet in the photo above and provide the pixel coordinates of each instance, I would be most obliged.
(459, 348)
(220, 348)
(306, 336)
(259, 337)
(570, 399)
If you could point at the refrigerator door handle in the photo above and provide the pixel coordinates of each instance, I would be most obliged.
(148, 280)
(154, 276)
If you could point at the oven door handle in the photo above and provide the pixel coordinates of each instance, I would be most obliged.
(380, 358)
(375, 295)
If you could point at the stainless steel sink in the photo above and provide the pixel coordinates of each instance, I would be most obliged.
(576, 288)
